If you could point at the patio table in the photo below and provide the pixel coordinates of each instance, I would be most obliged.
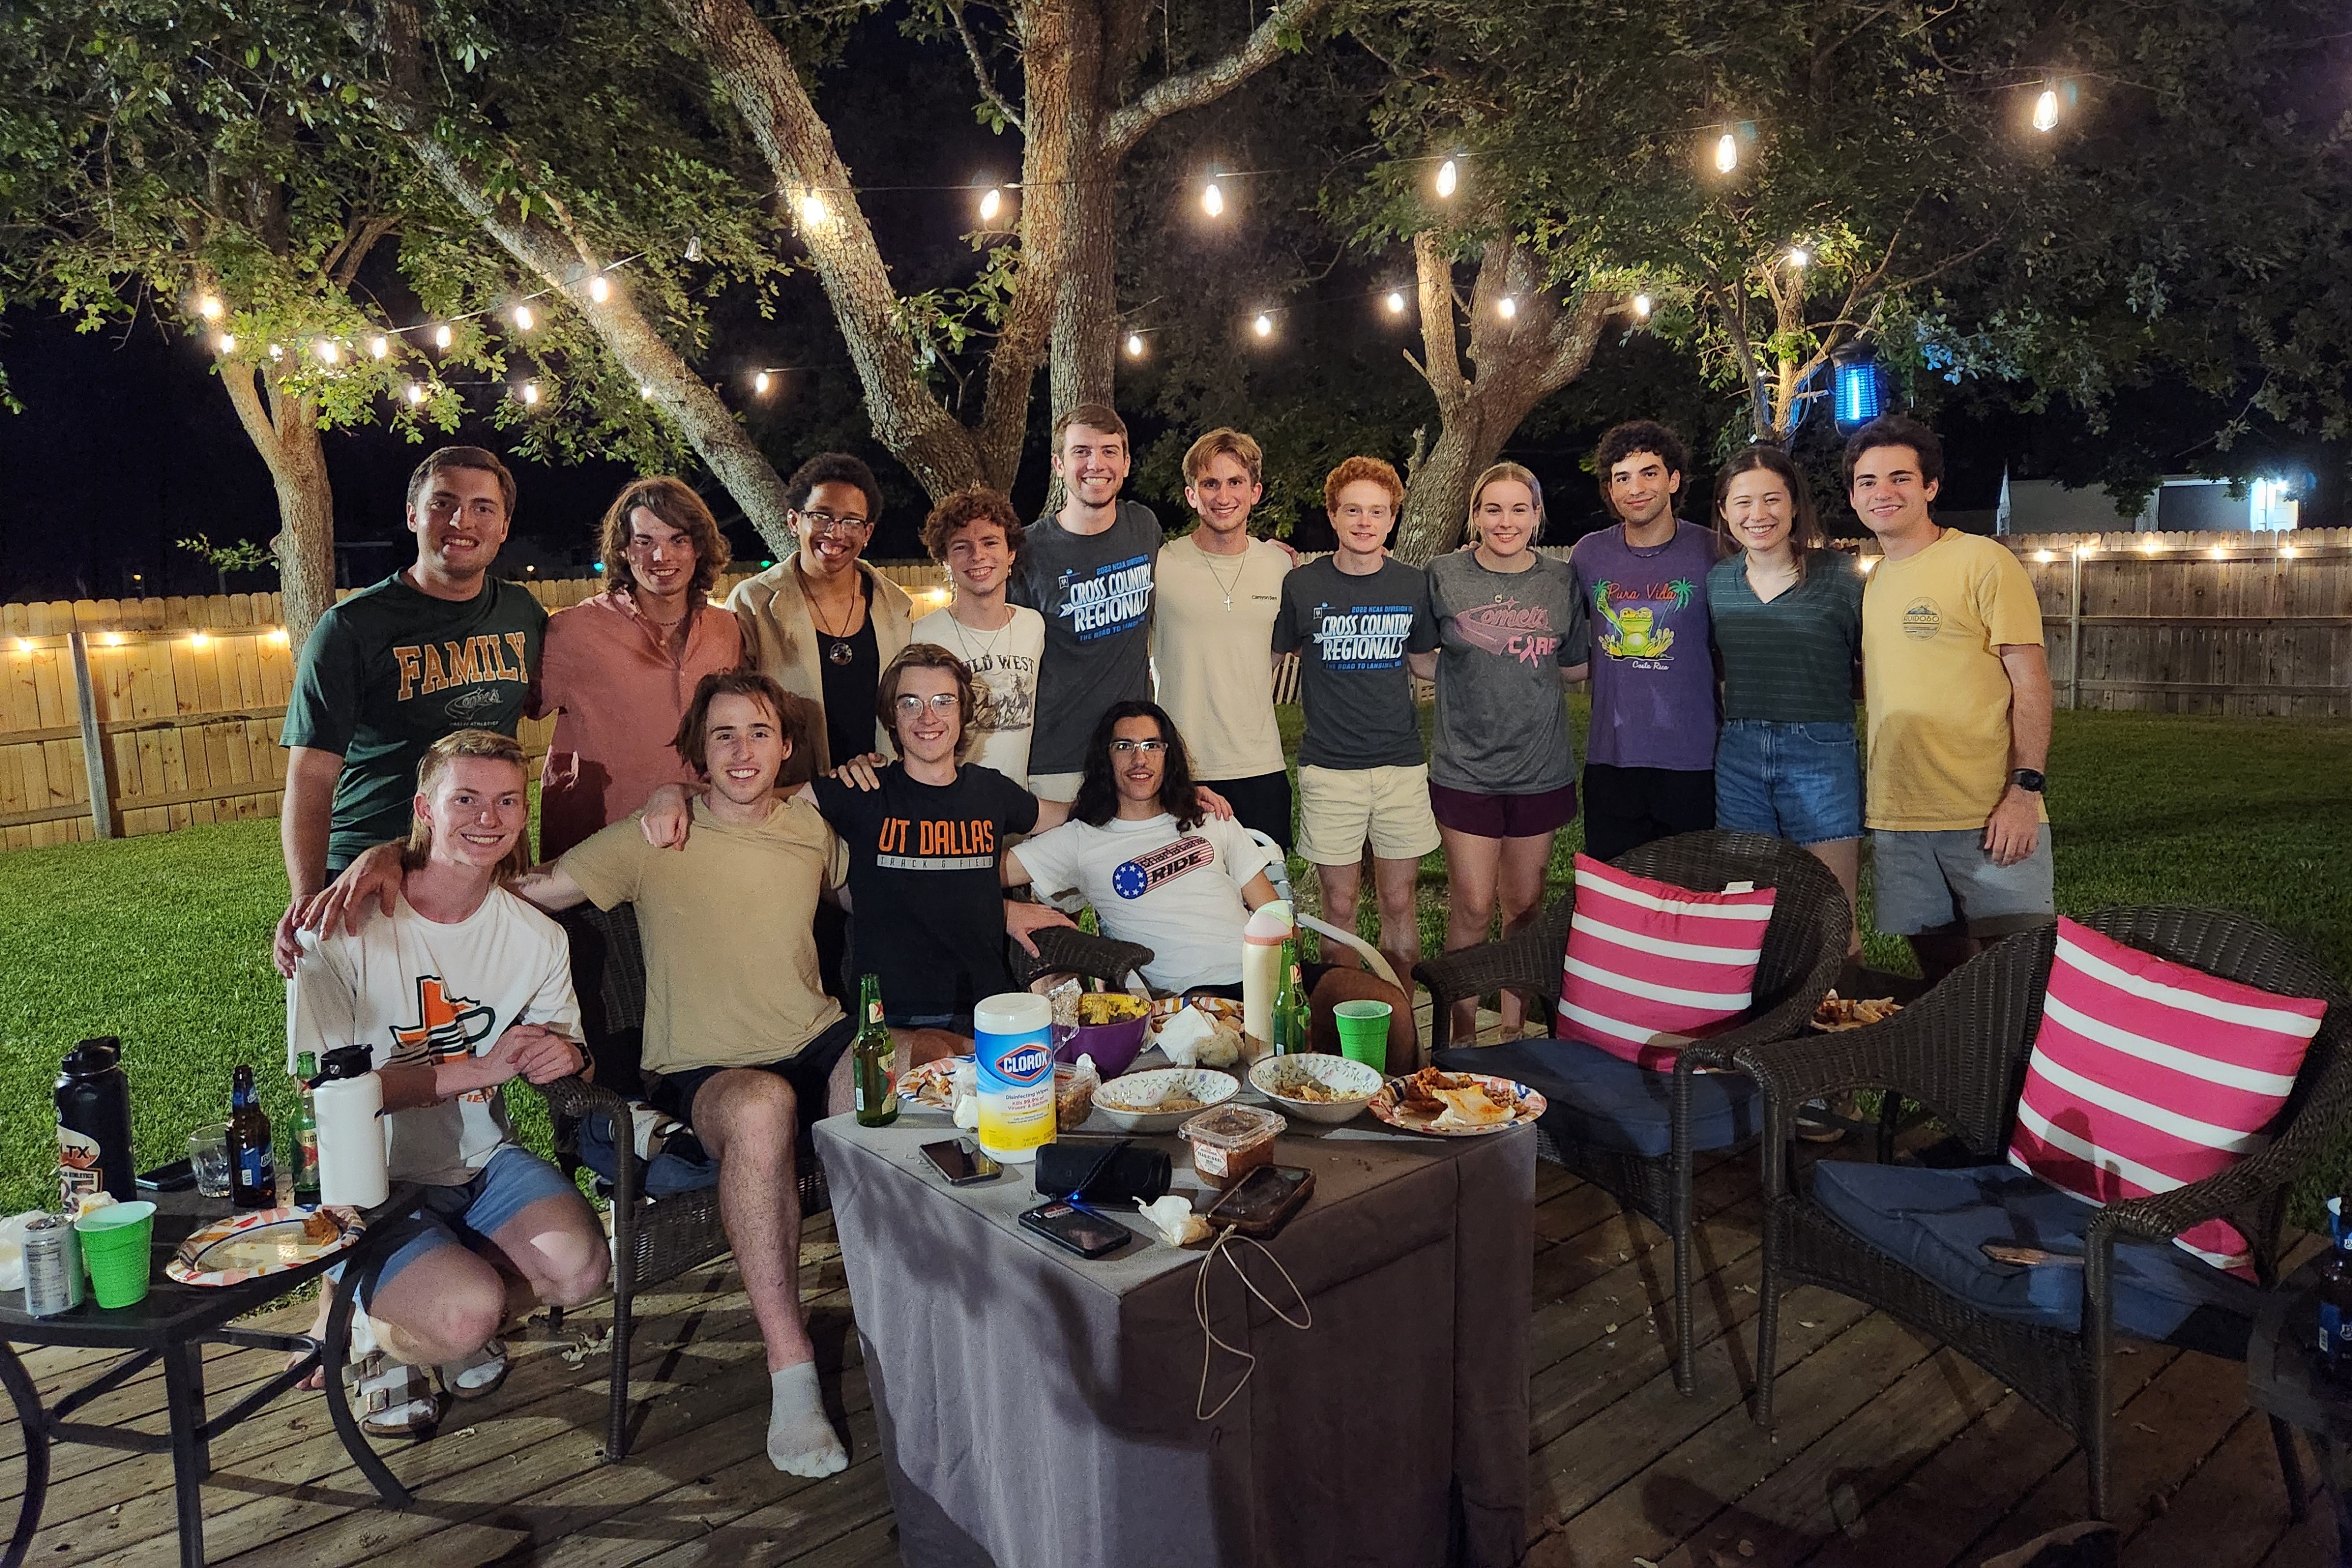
(1037, 1410)
(172, 1324)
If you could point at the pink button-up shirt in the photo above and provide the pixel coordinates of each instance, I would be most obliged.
(618, 688)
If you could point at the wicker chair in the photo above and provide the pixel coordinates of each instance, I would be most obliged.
(1803, 946)
(656, 1239)
(1962, 1050)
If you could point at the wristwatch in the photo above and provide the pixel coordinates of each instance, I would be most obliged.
(2029, 779)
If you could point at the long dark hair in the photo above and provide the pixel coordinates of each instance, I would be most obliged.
(1098, 800)
(1804, 521)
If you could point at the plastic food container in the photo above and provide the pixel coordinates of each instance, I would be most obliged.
(1231, 1140)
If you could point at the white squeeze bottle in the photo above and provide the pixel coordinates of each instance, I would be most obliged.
(353, 1169)
(1262, 967)
(1014, 1069)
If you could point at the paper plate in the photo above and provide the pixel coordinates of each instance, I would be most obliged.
(261, 1241)
(1526, 1106)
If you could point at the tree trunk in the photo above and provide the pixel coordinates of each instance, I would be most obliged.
(285, 431)
(1437, 495)
(1085, 301)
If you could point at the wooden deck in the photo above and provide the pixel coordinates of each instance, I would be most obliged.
(1889, 1450)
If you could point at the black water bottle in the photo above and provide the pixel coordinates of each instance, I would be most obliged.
(94, 1124)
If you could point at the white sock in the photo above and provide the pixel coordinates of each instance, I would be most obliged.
(800, 1440)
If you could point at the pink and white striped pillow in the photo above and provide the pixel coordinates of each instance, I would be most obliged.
(1649, 965)
(2148, 1075)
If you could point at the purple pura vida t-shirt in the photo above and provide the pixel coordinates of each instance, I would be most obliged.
(1653, 673)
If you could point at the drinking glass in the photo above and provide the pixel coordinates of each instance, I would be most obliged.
(208, 1157)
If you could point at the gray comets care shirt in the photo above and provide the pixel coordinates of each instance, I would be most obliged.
(1504, 637)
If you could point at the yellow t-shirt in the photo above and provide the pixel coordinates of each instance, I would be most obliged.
(728, 927)
(1933, 625)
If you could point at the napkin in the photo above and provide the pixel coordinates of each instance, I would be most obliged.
(1173, 1218)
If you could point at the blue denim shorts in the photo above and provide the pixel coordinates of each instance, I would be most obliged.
(468, 1214)
(1796, 781)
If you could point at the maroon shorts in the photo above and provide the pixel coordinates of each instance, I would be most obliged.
(1503, 816)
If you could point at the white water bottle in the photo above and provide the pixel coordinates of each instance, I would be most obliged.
(352, 1170)
(1262, 969)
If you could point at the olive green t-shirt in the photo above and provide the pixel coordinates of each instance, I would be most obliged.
(390, 671)
(1791, 661)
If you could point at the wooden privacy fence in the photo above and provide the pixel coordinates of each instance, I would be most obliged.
(183, 699)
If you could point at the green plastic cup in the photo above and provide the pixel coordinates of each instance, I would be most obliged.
(1363, 1032)
(115, 1243)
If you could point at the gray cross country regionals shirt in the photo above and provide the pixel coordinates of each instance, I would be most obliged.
(1352, 634)
(1502, 716)
(1095, 592)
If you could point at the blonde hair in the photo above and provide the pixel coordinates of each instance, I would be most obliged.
(1226, 442)
(1496, 475)
(458, 743)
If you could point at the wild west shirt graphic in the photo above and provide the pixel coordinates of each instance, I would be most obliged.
(1507, 628)
(1114, 599)
(1631, 615)
(1365, 637)
(1004, 693)
(471, 669)
(446, 1027)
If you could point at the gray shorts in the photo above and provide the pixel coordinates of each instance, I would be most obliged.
(1933, 881)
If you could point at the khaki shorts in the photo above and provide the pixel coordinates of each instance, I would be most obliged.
(1340, 808)
(1061, 787)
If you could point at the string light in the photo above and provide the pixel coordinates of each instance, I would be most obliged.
(379, 346)
(1262, 326)
(598, 289)
(1867, 562)
(530, 394)
(24, 644)
(1507, 307)
(1213, 200)
(2288, 552)
(277, 350)
(644, 393)
(813, 211)
(523, 319)
(1448, 178)
(1135, 345)
(277, 637)
(1642, 306)
(760, 383)
(442, 336)
(991, 202)
(693, 247)
(229, 342)
(327, 350)
(2045, 111)
(1396, 301)
(200, 640)
(1800, 259)
(2217, 553)
(209, 308)
(414, 394)
(2044, 557)
(2150, 545)
(1726, 153)
(114, 638)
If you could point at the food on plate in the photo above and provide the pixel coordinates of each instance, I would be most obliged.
(319, 1229)
(1837, 1012)
(1099, 1008)
(1314, 1092)
(1472, 1107)
(1427, 1093)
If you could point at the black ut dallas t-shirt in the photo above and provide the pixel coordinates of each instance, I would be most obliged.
(923, 887)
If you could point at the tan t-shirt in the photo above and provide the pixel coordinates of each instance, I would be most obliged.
(728, 927)
(1933, 625)
(1215, 664)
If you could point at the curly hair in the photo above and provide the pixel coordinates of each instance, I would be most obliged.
(1805, 523)
(796, 716)
(1360, 470)
(972, 504)
(674, 502)
(925, 656)
(484, 743)
(1098, 800)
(1620, 442)
(834, 469)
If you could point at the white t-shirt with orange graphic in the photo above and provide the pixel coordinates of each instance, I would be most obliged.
(415, 990)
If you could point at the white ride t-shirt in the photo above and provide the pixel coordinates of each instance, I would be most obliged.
(1178, 894)
(413, 991)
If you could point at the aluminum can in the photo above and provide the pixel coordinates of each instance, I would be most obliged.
(52, 1266)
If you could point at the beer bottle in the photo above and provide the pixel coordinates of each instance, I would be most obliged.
(305, 1131)
(1290, 1014)
(878, 1092)
(252, 1168)
(2335, 1344)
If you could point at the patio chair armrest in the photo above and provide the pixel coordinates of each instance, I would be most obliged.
(578, 1098)
(1791, 1018)
(1528, 961)
(1065, 949)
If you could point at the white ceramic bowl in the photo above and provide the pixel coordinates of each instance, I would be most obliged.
(1132, 1101)
(1355, 1082)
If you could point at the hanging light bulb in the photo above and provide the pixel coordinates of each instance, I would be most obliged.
(1396, 302)
(760, 383)
(1800, 259)
(1262, 326)
(644, 393)
(1449, 178)
(599, 289)
(441, 336)
(1726, 153)
(531, 392)
(1135, 345)
(991, 202)
(414, 394)
(379, 346)
(1642, 306)
(523, 319)
(813, 211)
(229, 342)
(277, 350)
(1507, 307)
(2045, 111)
(693, 247)
(1213, 200)
(209, 308)
(327, 350)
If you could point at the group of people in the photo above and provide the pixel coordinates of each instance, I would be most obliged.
(811, 781)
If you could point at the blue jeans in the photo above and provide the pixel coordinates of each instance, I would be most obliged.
(1796, 781)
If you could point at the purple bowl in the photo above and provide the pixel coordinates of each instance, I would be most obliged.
(1114, 1046)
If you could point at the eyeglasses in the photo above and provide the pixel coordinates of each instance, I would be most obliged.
(942, 703)
(821, 522)
(1121, 747)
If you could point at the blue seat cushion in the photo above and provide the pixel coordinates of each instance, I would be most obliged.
(1935, 1222)
(682, 1166)
(1591, 1097)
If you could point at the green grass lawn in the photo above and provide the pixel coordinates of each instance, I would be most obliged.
(164, 940)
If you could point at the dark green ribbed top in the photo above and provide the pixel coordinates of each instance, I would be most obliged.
(1791, 661)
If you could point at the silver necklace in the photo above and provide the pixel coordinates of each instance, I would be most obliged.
(987, 649)
(1223, 586)
(841, 651)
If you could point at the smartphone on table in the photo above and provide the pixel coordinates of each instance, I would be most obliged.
(960, 1162)
(1076, 1229)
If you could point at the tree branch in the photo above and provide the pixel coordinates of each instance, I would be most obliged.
(1175, 94)
(1441, 362)
(979, 71)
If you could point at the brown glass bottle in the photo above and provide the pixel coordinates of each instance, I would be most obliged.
(252, 1168)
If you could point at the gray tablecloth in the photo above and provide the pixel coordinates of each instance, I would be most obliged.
(1037, 1410)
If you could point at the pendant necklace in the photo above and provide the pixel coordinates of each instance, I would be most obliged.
(987, 649)
(840, 652)
(1223, 586)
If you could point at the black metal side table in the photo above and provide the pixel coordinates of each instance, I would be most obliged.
(171, 1325)
(2287, 1381)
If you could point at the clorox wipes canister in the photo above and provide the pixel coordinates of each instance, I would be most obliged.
(1014, 1075)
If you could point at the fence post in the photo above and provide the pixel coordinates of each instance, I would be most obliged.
(2075, 635)
(93, 745)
